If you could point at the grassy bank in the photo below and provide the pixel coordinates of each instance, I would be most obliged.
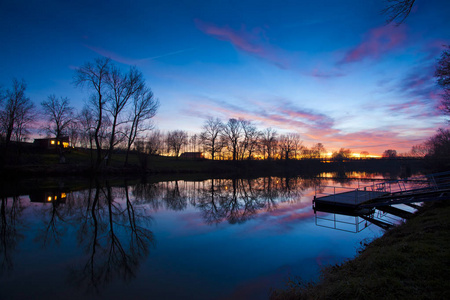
(410, 261)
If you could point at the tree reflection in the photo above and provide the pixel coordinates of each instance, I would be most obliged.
(238, 200)
(114, 236)
(10, 211)
(55, 225)
(175, 199)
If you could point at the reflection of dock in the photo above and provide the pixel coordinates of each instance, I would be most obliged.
(395, 211)
(379, 223)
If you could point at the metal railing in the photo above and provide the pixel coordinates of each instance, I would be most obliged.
(365, 193)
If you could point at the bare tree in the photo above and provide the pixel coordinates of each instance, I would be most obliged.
(59, 115)
(17, 113)
(144, 107)
(86, 121)
(297, 144)
(73, 130)
(364, 154)
(397, 10)
(343, 154)
(390, 153)
(121, 88)
(175, 140)
(232, 131)
(269, 139)
(438, 149)
(317, 151)
(443, 76)
(287, 145)
(94, 76)
(194, 142)
(155, 142)
(252, 136)
(419, 150)
(210, 136)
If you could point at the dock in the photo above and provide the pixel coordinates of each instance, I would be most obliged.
(350, 198)
(354, 209)
(408, 191)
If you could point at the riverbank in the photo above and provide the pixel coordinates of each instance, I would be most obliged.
(410, 261)
(79, 162)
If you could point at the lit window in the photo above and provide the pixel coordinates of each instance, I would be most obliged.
(52, 142)
(65, 144)
(63, 195)
(49, 198)
(58, 142)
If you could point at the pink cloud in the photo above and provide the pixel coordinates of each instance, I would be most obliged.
(243, 40)
(376, 43)
(253, 42)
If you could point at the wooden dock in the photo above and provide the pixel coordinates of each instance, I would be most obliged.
(431, 187)
(350, 199)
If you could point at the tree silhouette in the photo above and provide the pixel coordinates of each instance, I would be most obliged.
(390, 153)
(94, 76)
(269, 141)
(59, 115)
(397, 10)
(144, 107)
(17, 113)
(251, 139)
(232, 132)
(443, 76)
(175, 140)
(210, 136)
(122, 87)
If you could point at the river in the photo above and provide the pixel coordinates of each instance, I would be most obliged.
(209, 239)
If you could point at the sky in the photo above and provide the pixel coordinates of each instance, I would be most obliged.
(331, 70)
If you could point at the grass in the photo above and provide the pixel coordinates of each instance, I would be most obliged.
(410, 261)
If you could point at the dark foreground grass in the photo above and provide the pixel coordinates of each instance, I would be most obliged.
(410, 261)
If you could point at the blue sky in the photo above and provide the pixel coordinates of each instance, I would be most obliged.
(332, 71)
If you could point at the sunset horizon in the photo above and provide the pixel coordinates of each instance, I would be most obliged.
(335, 74)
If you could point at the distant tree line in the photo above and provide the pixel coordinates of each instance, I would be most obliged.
(236, 139)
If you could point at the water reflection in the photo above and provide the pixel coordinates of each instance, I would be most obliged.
(110, 222)
(113, 234)
(232, 200)
(10, 231)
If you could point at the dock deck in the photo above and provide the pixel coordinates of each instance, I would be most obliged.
(351, 198)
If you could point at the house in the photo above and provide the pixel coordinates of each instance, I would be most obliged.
(192, 155)
(52, 143)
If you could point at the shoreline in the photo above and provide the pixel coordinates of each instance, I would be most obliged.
(409, 260)
(78, 163)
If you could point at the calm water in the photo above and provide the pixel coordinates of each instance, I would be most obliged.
(214, 239)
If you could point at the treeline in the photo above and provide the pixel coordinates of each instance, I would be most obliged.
(236, 139)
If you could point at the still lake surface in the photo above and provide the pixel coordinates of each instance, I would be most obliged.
(212, 239)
